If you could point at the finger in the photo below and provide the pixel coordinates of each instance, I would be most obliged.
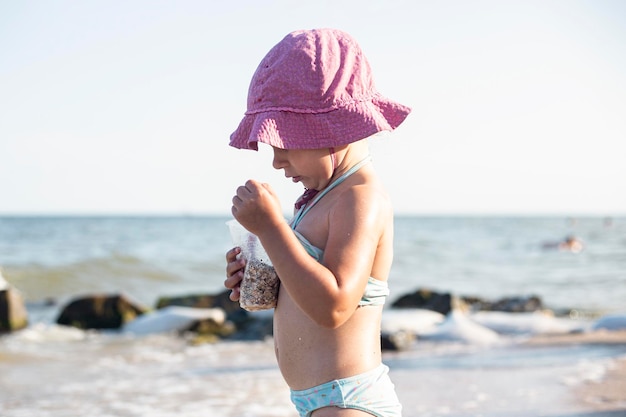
(235, 268)
(234, 294)
(231, 255)
(245, 190)
(251, 185)
(234, 280)
(237, 201)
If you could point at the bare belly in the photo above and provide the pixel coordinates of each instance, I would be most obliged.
(309, 355)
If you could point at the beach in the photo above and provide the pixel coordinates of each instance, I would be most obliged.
(605, 391)
(566, 359)
(163, 375)
(537, 386)
(606, 394)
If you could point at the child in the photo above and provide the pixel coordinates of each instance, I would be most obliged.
(313, 100)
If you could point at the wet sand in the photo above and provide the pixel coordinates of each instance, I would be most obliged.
(609, 393)
(594, 387)
(604, 395)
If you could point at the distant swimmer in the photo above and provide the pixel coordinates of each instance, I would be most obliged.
(572, 244)
(569, 244)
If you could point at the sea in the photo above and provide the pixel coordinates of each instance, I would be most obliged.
(52, 370)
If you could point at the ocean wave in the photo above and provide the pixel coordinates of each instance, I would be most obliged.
(115, 273)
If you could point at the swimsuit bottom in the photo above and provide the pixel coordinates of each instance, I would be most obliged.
(372, 392)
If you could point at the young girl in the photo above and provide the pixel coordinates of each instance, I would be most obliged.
(312, 99)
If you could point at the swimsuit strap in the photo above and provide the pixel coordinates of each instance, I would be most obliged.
(304, 210)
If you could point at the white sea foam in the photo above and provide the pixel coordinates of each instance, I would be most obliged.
(3, 282)
(413, 320)
(172, 318)
(46, 333)
(117, 374)
(459, 327)
(587, 371)
(532, 323)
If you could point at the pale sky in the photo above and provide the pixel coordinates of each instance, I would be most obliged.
(126, 107)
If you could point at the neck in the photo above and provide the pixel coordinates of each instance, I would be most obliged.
(346, 157)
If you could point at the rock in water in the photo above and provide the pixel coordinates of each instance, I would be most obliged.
(13, 314)
(426, 299)
(100, 312)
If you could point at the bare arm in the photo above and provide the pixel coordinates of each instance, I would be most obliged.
(327, 292)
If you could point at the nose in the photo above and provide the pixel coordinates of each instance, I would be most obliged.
(280, 160)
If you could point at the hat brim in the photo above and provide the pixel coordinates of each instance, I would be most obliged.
(341, 126)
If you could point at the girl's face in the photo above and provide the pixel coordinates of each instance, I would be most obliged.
(312, 167)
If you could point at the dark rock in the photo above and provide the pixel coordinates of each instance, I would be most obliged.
(247, 326)
(257, 326)
(507, 304)
(400, 340)
(220, 300)
(100, 312)
(13, 314)
(426, 299)
(210, 327)
(475, 303)
(518, 304)
(445, 302)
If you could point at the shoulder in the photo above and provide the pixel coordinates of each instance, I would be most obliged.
(363, 202)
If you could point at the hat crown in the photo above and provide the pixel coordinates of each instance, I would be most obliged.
(313, 90)
(311, 71)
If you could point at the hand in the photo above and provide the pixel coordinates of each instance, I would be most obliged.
(256, 207)
(234, 272)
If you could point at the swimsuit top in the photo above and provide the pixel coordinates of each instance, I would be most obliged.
(376, 290)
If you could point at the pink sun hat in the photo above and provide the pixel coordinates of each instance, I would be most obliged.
(313, 90)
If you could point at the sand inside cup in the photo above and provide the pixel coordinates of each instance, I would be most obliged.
(259, 286)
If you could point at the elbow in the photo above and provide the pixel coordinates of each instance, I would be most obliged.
(333, 319)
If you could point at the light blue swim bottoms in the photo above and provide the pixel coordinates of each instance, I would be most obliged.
(372, 392)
